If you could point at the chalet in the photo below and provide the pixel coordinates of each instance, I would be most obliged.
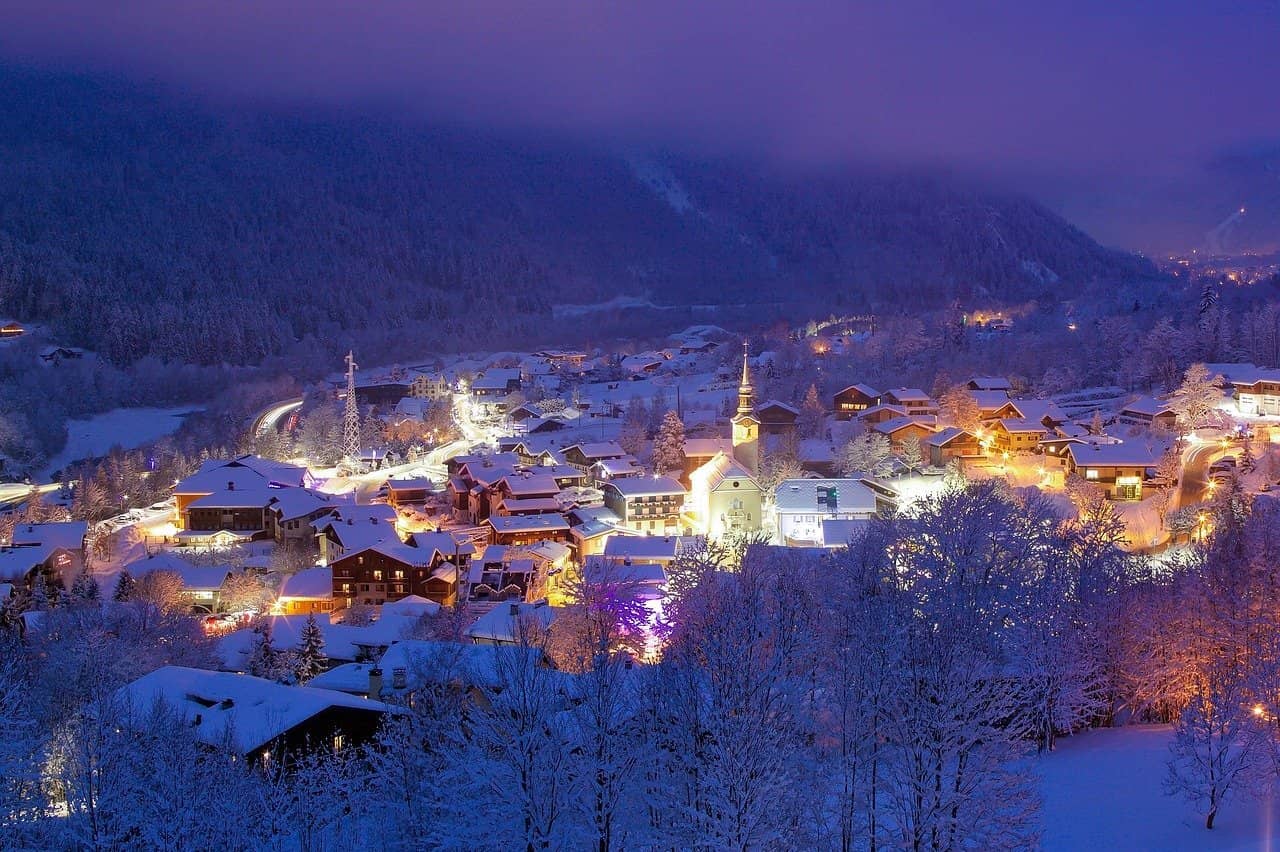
(900, 430)
(1119, 469)
(777, 418)
(431, 386)
(11, 328)
(881, 413)
(1257, 389)
(57, 549)
(953, 443)
(1149, 412)
(390, 570)
(233, 495)
(914, 400)
(527, 529)
(504, 624)
(724, 498)
(994, 405)
(525, 506)
(347, 529)
(495, 384)
(255, 718)
(646, 503)
(583, 456)
(306, 591)
(291, 513)
(621, 468)
(1044, 411)
(202, 585)
(643, 548)
(536, 452)
(801, 506)
(855, 399)
(990, 383)
(1017, 435)
(410, 491)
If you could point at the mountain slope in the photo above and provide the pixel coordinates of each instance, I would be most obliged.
(137, 224)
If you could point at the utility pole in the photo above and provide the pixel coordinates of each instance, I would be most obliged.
(351, 418)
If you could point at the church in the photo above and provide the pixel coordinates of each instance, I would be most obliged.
(724, 496)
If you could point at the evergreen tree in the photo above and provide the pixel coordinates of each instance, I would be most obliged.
(310, 659)
(812, 414)
(1095, 426)
(39, 592)
(124, 587)
(668, 447)
(84, 589)
(264, 660)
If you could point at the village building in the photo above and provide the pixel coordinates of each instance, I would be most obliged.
(853, 400)
(990, 383)
(745, 423)
(724, 498)
(802, 505)
(389, 570)
(777, 418)
(256, 719)
(430, 386)
(413, 491)
(1151, 413)
(881, 413)
(646, 503)
(994, 405)
(954, 443)
(583, 456)
(901, 430)
(527, 529)
(347, 529)
(304, 592)
(506, 623)
(914, 400)
(1017, 435)
(1257, 389)
(56, 549)
(1119, 469)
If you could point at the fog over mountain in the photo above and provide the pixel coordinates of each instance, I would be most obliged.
(137, 223)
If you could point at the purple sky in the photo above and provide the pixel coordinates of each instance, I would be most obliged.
(1019, 88)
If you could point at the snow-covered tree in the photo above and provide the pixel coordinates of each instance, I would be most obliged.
(84, 589)
(310, 659)
(869, 454)
(1216, 745)
(812, 414)
(668, 446)
(913, 456)
(1197, 397)
(265, 660)
(959, 407)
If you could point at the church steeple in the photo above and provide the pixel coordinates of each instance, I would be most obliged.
(746, 427)
(746, 392)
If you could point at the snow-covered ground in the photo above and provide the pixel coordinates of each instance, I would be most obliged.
(123, 427)
(1105, 790)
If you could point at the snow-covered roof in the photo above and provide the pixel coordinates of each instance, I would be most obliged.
(721, 468)
(948, 435)
(1040, 409)
(991, 383)
(214, 474)
(908, 395)
(68, 535)
(1128, 454)
(990, 400)
(643, 547)
(642, 573)
(645, 486)
(837, 532)
(1147, 406)
(1015, 424)
(309, 583)
(502, 623)
(410, 606)
(291, 503)
(598, 450)
(864, 389)
(546, 522)
(708, 447)
(222, 708)
(801, 495)
(447, 545)
(530, 484)
(897, 424)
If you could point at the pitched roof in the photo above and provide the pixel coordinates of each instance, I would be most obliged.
(801, 495)
(897, 424)
(510, 524)
(1128, 454)
(645, 486)
(309, 583)
(246, 712)
(865, 390)
(946, 436)
(1014, 424)
(642, 547)
(502, 623)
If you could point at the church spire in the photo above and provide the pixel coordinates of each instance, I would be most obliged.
(746, 392)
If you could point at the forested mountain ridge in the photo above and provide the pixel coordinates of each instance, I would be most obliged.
(138, 224)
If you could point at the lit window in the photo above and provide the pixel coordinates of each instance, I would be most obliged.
(1091, 473)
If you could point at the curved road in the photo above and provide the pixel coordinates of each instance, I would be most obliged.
(270, 418)
(1194, 484)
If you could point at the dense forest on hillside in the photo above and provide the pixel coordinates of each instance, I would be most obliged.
(137, 224)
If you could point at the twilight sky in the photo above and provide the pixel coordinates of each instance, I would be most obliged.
(1027, 88)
